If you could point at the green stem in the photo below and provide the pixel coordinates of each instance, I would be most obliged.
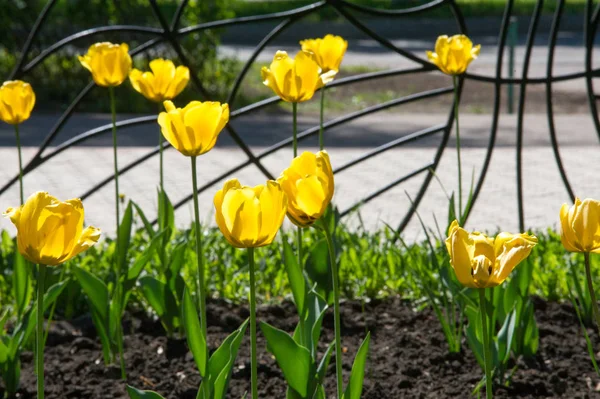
(590, 284)
(20, 163)
(336, 308)
(460, 209)
(160, 154)
(295, 128)
(39, 351)
(253, 361)
(53, 308)
(487, 357)
(321, 139)
(119, 261)
(199, 256)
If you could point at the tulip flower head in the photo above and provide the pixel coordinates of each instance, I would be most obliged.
(49, 231)
(250, 217)
(453, 54)
(193, 130)
(109, 63)
(295, 80)
(308, 184)
(580, 226)
(164, 82)
(16, 101)
(329, 51)
(482, 262)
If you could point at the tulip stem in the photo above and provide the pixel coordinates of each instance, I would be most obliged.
(253, 362)
(295, 147)
(460, 210)
(336, 307)
(39, 352)
(160, 154)
(487, 357)
(199, 256)
(18, 138)
(590, 284)
(321, 139)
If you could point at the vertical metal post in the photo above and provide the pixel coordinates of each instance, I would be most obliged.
(513, 33)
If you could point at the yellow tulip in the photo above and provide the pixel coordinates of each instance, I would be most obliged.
(329, 51)
(16, 101)
(165, 81)
(250, 217)
(580, 226)
(480, 261)
(295, 80)
(453, 54)
(109, 63)
(49, 231)
(308, 184)
(193, 130)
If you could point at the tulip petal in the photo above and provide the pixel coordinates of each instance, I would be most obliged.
(88, 238)
(514, 251)
(586, 224)
(567, 236)
(462, 253)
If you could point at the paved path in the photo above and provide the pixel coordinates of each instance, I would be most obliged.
(77, 169)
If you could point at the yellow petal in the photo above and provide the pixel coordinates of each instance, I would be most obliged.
(514, 249)
(567, 236)
(586, 224)
(462, 250)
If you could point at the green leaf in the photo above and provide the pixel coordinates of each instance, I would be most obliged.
(166, 214)
(195, 338)
(324, 364)
(505, 337)
(217, 366)
(316, 307)
(125, 237)
(21, 283)
(145, 221)
(531, 336)
(357, 375)
(162, 301)
(451, 211)
(139, 394)
(319, 270)
(295, 276)
(293, 360)
(96, 291)
(144, 257)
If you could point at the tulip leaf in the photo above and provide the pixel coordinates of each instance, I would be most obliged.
(293, 360)
(166, 214)
(145, 221)
(451, 211)
(21, 282)
(161, 299)
(143, 259)
(95, 289)
(139, 394)
(324, 364)
(195, 338)
(531, 336)
(318, 269)
(505, 337)
(295, 276)
(316, 307)
(125, 238)
(357, 375)
(222, 361)
(473, 333)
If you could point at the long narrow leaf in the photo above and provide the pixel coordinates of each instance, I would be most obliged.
(195, 338)
(357, 375)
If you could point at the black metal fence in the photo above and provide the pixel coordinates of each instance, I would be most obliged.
(170, 34)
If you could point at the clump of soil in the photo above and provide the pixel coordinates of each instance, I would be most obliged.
(408, 357)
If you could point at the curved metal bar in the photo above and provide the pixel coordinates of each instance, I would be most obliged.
(266, 40)
(521, 113)
(460, 19)
(355, 115)
(383, 41)
(386, 188)
(589, 30)
(393, 13)
(497, 98)
(549, 105)
(178, 15)
(254, 18)
(556, 78)
(32, 35)
(86, 33)
(392, 144)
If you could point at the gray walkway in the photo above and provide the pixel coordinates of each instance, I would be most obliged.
(77, 169)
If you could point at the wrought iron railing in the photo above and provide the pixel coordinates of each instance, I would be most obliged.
(170, 33)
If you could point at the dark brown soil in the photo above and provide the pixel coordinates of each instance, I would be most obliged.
(408, 357)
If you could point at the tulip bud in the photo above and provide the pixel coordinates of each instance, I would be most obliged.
(165, 81)
(193, 130)
(308, 184)
(453, 54)
(49, 231)
(250, 217)
(329, 51)
(16, 101)
(295, 80)
(109, 63)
